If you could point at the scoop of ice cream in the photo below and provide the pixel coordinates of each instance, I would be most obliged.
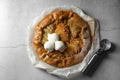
(60, 46)
(49, 46)
(53, 37)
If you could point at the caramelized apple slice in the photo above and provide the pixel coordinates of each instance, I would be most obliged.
(63, 31)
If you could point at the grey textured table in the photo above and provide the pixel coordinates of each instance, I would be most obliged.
(16, 15)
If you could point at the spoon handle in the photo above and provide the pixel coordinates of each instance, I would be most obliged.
(90, 63)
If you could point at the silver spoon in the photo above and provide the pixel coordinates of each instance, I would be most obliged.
(104, 46)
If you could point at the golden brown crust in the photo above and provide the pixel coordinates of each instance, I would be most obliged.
(71, 28)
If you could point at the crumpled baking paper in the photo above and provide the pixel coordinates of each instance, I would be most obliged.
(73, 70)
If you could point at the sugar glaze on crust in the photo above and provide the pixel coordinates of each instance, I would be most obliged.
(72, 30)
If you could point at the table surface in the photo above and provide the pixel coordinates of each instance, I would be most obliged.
(16, 15)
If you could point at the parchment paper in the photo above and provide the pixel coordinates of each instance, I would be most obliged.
(73, 70)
